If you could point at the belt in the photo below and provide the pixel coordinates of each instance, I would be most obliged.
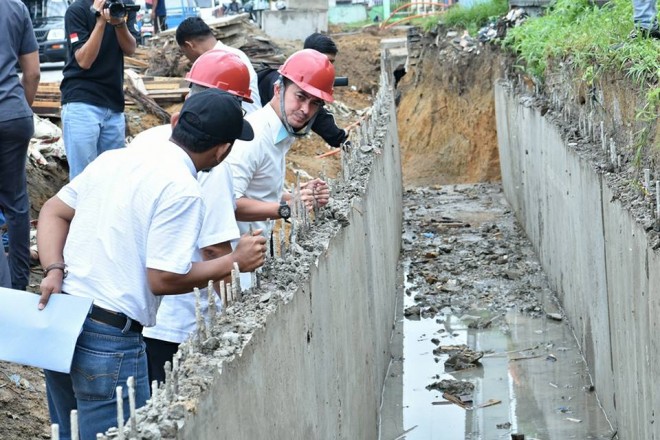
(118, 320)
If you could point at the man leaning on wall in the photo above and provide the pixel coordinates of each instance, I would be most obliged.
(177, 316)
(19, 45)
(258, 166)
(122, 233)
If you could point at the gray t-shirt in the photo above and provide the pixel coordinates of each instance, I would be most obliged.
(18, 39)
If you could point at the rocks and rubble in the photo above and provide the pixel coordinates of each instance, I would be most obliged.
(237, 31)
(46, 142)
(467, 258)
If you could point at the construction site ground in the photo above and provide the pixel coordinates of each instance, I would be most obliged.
(447, 134)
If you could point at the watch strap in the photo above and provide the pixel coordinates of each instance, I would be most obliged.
(55, 266)
(284, 211)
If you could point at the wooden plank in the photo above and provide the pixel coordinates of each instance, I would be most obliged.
(130, 61)
(453, 399)
(166, 87)
(162, 93)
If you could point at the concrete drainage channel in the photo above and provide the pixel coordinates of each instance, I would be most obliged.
(483, 351)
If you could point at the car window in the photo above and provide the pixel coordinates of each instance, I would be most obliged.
(56, 8)
(46, 8)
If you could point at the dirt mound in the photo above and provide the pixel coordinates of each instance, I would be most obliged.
(446, 116)
(23, 403)
(44, 181)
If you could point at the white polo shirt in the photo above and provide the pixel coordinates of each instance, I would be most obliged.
(254, 85)
(176, 318)
(258, 166)
(135, 209)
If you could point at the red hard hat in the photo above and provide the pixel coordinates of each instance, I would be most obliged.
(311, 71)
(222, 70)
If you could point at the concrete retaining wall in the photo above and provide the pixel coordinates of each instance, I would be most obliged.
(316, 369)
(294, 24)
(596, 257)
(347, 13)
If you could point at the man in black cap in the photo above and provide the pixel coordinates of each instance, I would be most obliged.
(122, 233)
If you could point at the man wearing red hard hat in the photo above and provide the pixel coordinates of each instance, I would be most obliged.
(176, 319)
(258, 167)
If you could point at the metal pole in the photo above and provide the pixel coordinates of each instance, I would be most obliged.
(386, 9)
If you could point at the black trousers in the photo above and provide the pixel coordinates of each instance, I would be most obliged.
(159, 352)
(14, 140)
(161, 24)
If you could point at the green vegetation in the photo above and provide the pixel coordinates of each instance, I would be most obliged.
(472, 18)
(589, 39)
(594, 39)
(476, 16)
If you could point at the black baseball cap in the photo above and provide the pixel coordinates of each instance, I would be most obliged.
(213, 117)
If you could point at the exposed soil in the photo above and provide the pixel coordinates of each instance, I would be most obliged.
(446, 116)
(23, 411)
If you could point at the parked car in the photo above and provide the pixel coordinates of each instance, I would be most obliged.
(48, 23)
(51, 38)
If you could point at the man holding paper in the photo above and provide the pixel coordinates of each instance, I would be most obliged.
(123, 232)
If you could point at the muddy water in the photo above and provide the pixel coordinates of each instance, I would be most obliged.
(470, 278)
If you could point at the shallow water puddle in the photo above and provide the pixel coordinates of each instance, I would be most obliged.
(531, 366)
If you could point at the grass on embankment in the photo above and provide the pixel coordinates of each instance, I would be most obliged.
(592, 39)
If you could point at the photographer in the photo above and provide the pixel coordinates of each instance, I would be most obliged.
(99, 33)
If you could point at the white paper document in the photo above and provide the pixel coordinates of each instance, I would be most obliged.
(40, 338)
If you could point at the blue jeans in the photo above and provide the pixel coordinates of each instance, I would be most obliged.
(104, 358)
(645, 13)
(14, 140)
(88, 131)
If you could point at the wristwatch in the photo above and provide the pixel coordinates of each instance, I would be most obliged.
(94, 11)
(284, 211)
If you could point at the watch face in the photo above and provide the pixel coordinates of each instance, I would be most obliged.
(285, 211)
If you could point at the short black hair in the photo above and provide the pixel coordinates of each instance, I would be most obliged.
(319, 42)
(192, 28)
(190, 140)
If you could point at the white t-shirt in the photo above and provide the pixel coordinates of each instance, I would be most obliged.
(176, 318)
(135, 209)
(258, 166)
(254, 84)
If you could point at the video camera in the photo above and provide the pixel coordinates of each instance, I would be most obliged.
(341, 81)
(119, 9)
